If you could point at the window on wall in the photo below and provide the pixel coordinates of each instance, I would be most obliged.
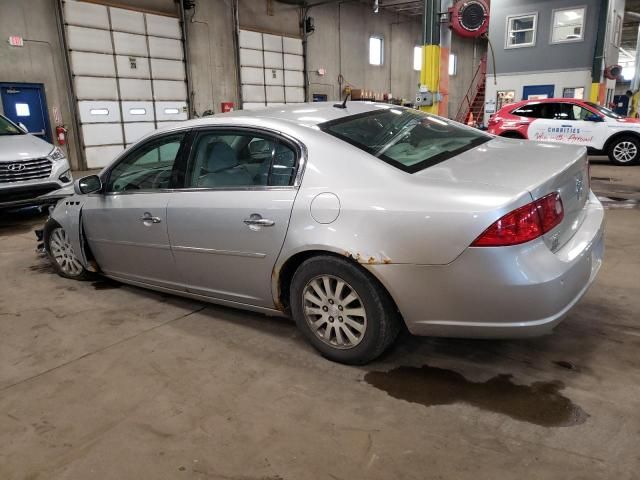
(573, 92)
(375, 50)
(453, 64)
(417, 58)
(521, 30)
(568, 25)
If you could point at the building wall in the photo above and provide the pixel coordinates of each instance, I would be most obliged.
(544, 55)
(469, 52)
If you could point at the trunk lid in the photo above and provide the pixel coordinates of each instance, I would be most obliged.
(535, 167)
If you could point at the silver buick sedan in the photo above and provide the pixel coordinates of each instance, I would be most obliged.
(352, 219)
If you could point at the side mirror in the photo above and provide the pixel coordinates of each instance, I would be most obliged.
(85, 185)
(23, 127)
(594, 118)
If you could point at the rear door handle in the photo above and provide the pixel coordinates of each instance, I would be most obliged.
(256, 220)
(147, 218)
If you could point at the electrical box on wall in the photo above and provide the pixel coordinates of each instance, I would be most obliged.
(424, 99)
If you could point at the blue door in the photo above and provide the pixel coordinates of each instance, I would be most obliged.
(537, 91)
(25, 103)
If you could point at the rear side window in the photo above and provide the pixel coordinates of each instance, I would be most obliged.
(407, 139)
(536, 110)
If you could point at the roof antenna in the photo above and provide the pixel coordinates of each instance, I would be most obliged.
(343, 104)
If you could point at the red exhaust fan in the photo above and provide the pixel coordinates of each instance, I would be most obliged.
(613, 72)
(469, 18)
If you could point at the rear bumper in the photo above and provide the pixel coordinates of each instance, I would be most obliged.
(501, 292)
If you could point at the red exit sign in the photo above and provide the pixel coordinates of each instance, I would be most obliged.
(16, 41)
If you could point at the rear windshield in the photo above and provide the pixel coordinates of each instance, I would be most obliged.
(407, 139)
(8, 128)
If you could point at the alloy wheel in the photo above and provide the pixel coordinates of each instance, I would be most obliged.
(334, 311)
(625, 152)
(62, 252)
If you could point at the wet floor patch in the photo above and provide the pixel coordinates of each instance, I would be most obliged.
(565, 364)
(540, 403)
(42, 267)
(105, 284)
(16, 228)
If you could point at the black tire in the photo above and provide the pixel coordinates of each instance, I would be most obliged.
(50, 236)
(381, 321)
(620, 151)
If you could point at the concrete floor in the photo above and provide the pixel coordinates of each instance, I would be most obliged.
(102, 381)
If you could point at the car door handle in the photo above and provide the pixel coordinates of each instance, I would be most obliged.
(147, 218)
(256, 220)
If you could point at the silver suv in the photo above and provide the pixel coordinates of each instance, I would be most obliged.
(29, 167)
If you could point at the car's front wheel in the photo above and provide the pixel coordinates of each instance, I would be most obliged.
(624, 151)
(344, 313)
(61, 253)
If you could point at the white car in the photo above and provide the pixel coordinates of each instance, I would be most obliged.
(573, 122)
(29, 167)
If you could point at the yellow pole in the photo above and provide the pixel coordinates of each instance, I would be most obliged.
(430, 74)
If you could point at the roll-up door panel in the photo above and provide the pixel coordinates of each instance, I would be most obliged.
(165, 48)
(89, 39)
(293, 62)
(134, 89)
(273, 76)
(132, 67)
(250, 58)
(129, 44)
(165, 125)
(271, 43)
(167, 69)
(253, 93)
(92, 64)
(160, 26)
(86, 15)
(252, 75)
(294, 94)
(167, 111)
(102, 133)
(292, 45)
(249, 39)
(169, 90)
(98, 157)
(135, 131)
(275, 94)
(99, 111)
(123, 20)
(96, 88)
(137, 111)
(272, 60)
(276, 104)
(293, 78)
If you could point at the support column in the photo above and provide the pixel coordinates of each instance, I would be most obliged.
(430, 73)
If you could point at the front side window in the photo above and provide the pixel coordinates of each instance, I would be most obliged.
(238, 159)
(149, 167)
(521, 30)
(407, 139)
(568, 25)
(376, 50)
(8, 128)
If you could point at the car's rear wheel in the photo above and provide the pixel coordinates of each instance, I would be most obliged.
(624, 151)
(345, 314)
(61, 254)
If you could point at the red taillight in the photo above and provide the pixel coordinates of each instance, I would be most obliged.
(524, 224)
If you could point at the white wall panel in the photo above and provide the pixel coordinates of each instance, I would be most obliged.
(273, 76)
(123, 20)
(169, 90)
(135, 89)
(272, 60)
(129, 44)
(250, 58)
(293, 62)
(292, 45)
(294, 94)
(101, 133)
(135, 131)
(253, 94)
(167, 69)
(137, 111)
(275, 94)
(249, 39)
(98, 157)
(293, 78)
(99, 111)
(125, 63)
(252, 75)
(161, 26)
(96, 64)
(96, 88)
(89, 39)
(167, 111)
(272, 43)
(253, 105)
(165, 48)
(86, 14)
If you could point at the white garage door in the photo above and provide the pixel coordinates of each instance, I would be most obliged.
(271, 70)
(128, 75)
